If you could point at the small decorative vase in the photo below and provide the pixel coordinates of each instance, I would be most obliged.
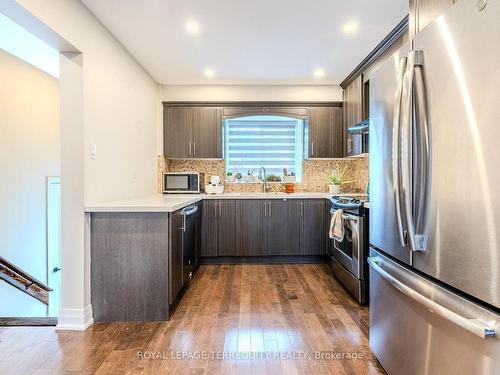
(334, 189)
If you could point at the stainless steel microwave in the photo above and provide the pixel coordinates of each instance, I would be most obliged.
(182, 182)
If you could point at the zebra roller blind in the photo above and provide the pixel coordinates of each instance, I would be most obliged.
(273, 142)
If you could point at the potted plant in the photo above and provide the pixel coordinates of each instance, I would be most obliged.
(229, 177)
(337, 178)
(239, 176)
(249, 176)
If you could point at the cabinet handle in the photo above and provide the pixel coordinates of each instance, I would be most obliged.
(265, 209)
(301, 209)
(189, 148)
(312, 148)
(270, 211)
(194, 148)
(220, 209)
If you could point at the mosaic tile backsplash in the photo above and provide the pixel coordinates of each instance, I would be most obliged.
(314, 174)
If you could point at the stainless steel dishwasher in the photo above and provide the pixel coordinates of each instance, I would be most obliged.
(189, 215)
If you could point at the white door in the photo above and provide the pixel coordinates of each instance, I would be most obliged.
(54, 243)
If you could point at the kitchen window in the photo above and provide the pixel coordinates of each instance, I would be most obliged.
(272, 142)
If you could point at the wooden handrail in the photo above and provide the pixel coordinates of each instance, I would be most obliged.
(23, 281)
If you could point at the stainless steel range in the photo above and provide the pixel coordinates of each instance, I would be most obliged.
(348, 257)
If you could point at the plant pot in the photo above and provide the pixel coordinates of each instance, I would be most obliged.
(230, 179)
(247, 178)
(334, 189)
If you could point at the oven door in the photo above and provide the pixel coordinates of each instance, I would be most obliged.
(349, 252)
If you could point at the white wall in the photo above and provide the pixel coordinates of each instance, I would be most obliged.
(121, 104)
(251, 93)
(29, 153)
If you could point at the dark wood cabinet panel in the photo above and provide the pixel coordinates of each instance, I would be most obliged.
(192, 132)
(324, 133)
(296, 112)
(252, 227)
(207, 132)
(228, 228)
(130, 266)
(311, 234)
(177, 134)
(271, 227)
(176, 256)
(353, 114)
(209, 228)
(277, 232)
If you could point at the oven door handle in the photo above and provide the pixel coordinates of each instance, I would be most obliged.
(346, 216)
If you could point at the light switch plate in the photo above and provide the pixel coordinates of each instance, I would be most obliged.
(93, 151)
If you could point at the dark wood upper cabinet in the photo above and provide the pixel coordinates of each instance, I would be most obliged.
(324, 133)
(252, 110)
(423, 12)
(207, 132)
(192, 132)
(177, 132)
(353, 114)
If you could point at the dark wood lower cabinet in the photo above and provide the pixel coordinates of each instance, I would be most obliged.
(252, 227)
(312, 237)
(255, 227)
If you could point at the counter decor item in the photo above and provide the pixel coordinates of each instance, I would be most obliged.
(229, 177)
(249, 176)
(214, 187)
(337, 178)
(289, 188)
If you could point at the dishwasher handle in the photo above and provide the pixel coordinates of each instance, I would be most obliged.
(190, 211)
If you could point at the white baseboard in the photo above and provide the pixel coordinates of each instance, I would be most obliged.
(75, 319)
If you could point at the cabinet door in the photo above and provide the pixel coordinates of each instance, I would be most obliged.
(325, 132)
(276, 230)
(311, 235)
(177, 132)
(319, 132)
(209, 228)
(207, 132)
(252, 227)
(176, 258)
(353, 113)
(228, 228)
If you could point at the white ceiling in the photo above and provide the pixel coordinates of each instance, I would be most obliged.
(248, 41)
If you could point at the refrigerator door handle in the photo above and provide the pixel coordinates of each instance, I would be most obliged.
(475, 326)
(414, 243)
(422, 144)
(396, 150)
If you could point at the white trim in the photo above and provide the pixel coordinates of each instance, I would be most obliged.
(75, 319)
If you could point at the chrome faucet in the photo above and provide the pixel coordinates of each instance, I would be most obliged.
(262, 173)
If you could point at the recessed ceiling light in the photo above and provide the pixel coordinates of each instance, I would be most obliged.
(350, 27)
(192, 27)
(209, 73)
(318, 73)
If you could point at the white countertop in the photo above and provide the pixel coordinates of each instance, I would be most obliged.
(174, 202)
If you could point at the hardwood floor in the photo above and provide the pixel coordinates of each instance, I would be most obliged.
(291, 313)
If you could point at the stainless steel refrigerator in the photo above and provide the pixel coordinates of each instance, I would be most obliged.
(435, 198)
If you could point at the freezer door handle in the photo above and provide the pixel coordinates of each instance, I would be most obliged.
(475, 326)
(396, 150)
